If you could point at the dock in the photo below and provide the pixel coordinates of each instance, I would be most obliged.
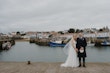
(41, 67)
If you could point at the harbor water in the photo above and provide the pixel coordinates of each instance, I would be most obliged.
(24, 51)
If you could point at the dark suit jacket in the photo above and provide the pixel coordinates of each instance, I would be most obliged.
(81, 42)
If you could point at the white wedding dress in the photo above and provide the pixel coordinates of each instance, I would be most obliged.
(72, 59)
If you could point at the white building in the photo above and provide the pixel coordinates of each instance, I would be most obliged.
(99, 34)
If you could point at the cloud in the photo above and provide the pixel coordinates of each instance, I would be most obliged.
(44, 15)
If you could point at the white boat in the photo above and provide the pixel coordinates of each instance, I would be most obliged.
(105, 43)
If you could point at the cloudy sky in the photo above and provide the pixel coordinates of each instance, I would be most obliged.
(46, 15)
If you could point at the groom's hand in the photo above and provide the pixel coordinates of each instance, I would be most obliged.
(76, 50)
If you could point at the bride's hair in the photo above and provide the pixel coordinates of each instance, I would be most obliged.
(75, 36)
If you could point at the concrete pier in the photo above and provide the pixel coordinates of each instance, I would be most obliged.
(40, 67)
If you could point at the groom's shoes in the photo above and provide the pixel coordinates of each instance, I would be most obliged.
(79, 66)
(84, 66)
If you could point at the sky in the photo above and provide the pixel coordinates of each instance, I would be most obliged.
(53, 15)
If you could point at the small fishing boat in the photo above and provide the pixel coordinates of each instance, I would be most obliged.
(57, 44)
(6, 45)
(105, 43)
(102, 41)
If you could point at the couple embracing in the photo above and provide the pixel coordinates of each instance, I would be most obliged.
(76, 51)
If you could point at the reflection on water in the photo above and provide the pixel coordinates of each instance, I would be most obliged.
(24, 51)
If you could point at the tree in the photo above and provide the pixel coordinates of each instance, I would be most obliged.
(81, 30)
(71, 30)
(77, 30)
(100, 30)
(61, 32)
(17, 33)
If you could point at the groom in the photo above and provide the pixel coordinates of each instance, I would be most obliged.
(81, 47)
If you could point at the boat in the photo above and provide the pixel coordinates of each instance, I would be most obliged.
(102, 41)
(57, 44)
(6, 45)
(105, 43)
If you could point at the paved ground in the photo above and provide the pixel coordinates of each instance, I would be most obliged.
(38, 67)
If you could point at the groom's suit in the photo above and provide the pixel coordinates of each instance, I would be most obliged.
(81, 42)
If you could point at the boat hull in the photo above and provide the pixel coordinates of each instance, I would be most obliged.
(52, 44)
(105, 44)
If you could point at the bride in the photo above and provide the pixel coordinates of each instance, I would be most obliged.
(71, 51)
